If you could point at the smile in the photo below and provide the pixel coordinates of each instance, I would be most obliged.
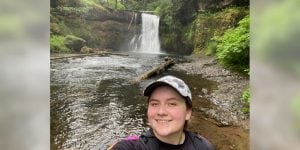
(162, 121)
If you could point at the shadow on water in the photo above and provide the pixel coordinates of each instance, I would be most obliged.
(93, 103)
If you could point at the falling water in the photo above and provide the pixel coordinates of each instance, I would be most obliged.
(148, 40)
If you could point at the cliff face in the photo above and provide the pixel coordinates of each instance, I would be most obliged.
(100, 28)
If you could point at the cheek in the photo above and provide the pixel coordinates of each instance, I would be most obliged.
(178, 115)
(150, 113)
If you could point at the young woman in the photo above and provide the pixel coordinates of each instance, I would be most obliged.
(169, 109)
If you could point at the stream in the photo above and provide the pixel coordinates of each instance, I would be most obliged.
(93, 102)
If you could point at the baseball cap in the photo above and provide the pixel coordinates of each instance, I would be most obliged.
(174, 82)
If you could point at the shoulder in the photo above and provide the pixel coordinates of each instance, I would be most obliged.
(200, 141)
(145, 141)
(130, 143)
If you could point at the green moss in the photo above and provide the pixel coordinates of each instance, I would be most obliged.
(57, 44)
(74, 43)
(86, 50)
(188, 33)
(211, 48)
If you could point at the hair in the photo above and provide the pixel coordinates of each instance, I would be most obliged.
(189, 105)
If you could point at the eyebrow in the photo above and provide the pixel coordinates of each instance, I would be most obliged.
(169, 99)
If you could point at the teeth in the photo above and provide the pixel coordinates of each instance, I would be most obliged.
(162, 121)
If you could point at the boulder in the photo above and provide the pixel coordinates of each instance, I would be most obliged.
(74, 43)
(86, 50)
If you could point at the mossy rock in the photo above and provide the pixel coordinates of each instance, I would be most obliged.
(74, 43)
(86, 50)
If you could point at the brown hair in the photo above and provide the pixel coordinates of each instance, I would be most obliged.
(188, 105)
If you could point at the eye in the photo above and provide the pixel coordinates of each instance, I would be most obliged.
(173, 104)
(153, 104)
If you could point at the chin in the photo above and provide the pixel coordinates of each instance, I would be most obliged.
(162, 133)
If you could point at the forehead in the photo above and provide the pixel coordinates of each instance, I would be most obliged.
(165, 92)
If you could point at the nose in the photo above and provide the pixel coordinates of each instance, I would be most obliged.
(162, 111)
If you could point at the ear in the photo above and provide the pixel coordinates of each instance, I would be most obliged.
(188, 114)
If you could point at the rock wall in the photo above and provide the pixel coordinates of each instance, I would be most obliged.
(104, 29)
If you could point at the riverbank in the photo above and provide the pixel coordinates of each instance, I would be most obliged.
(223, 123)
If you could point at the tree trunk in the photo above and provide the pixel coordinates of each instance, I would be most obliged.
(157, 70)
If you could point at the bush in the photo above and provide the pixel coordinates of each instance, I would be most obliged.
(233, 46)
(57, 44)
(246, 98)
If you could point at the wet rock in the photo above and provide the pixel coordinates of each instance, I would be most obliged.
(204, 91)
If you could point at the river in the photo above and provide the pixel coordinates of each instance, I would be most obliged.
(93, 102)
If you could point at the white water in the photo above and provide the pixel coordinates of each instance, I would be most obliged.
(148, 40)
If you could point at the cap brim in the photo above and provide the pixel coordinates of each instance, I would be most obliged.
(149, 89)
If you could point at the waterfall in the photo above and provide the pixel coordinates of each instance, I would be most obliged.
(148, 40)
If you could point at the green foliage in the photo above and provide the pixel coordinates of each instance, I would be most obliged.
(189, 31)
(87, 2)
(176, 24)
(210, 24)
(149, 5)
(114, 4)
(246, 99)
(57, 44)
(170, 40)
(211, 48)
(233, 46)
(163, 7)
(63, 29)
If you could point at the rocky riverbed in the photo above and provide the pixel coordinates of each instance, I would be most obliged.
(223, 123)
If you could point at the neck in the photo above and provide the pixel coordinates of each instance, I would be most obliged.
(175, 139)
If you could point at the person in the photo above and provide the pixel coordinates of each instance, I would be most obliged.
(169, 110)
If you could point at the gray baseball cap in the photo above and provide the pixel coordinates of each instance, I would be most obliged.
(174, 82)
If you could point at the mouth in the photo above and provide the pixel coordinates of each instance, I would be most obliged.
(163, 122)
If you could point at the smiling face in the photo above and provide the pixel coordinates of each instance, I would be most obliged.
(167, 112)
